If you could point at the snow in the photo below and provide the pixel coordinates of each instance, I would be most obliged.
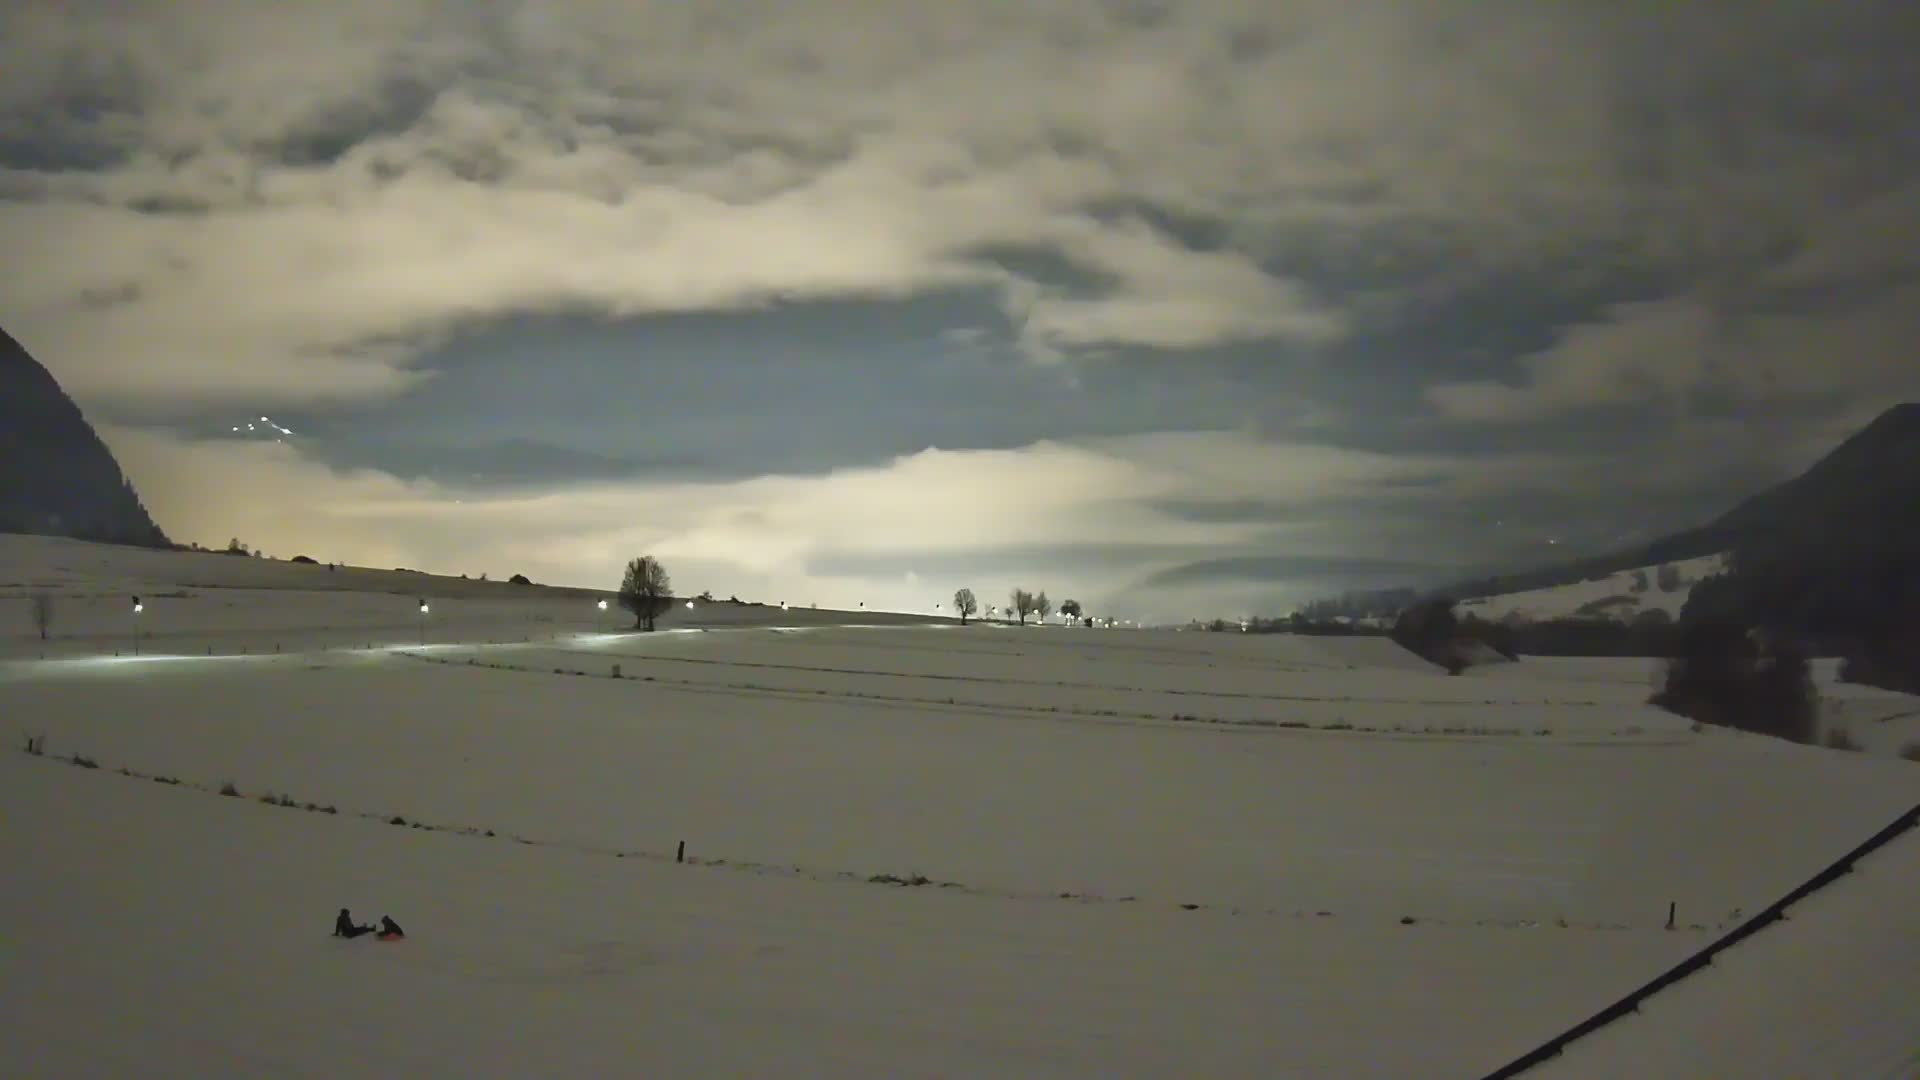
(1830, 991)
(1881, 722)
(1615, 595)
(1145, 853)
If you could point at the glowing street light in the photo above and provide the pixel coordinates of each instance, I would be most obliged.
(423, 621)
(138, 607)
(689, 605)
(602, 605)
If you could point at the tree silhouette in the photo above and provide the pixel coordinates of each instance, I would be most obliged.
(965, 604)
(1022, 603)
(646, 591)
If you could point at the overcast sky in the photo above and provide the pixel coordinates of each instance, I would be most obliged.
(1176, 308)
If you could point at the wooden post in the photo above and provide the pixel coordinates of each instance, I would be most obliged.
(681, 854)
(1671, 906)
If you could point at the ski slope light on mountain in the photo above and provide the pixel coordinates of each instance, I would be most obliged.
(907, 848)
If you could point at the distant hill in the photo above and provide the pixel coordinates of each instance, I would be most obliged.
(1867, 489)
(1864, 495)
(56, 477)
(1621, 597)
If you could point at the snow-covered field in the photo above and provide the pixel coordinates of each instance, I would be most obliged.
(1620, 597)
(1879, 721)
(918, 850)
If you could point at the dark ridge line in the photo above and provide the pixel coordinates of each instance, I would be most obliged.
(1557, 1045)
(911, 880)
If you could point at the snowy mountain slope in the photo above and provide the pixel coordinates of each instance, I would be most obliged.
(1620, 597)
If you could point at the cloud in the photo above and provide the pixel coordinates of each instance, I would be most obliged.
(287, 204)
(1638, 352)
(1321, 572)
(1584, 236)
(1089, 518)
(1739, 351)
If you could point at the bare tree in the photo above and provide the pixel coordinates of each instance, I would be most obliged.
(965, 604)
(1021, 603)
(646, 591)
(1042, 606)
(41, 606)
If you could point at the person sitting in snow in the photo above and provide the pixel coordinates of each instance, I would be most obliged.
(343, 926)
(390, 930)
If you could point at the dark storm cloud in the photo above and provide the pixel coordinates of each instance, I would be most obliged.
(1315, 572)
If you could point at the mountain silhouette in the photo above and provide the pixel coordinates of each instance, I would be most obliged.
(1869, 483)
(56, 477)
(1863, 498)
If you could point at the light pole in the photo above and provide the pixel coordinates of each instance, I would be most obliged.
(423, 621)
(602, 605)
(138, 607)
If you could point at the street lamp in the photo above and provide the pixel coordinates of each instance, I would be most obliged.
(138, 607)
(423, 621)
(602, 605)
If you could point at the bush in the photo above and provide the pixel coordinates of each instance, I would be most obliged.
(1497, 636)
(1839, 739)
(304, 560)
(1427, 629)
(1605, 605)
(1889, 660)
(1723, 676)
(229, 790)
(1911, 751)
(518, 579)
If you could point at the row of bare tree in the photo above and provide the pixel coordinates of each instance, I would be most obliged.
(1020, 603)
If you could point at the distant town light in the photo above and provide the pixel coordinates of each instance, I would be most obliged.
(689, 605)
(424, 608)
(602, 605)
